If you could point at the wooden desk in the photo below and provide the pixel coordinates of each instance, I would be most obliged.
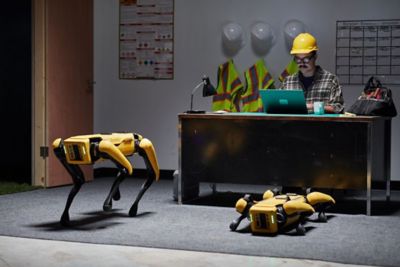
(327, 151)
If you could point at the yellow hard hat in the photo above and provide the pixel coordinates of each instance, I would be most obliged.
(304, 43)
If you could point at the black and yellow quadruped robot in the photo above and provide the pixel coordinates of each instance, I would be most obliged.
(88, 149)
(281, 212)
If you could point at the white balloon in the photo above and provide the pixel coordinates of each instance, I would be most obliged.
(263, 32)
(262, 38)
(232, 33)
(292, 29)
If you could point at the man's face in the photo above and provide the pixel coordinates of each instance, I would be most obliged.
(306, 62)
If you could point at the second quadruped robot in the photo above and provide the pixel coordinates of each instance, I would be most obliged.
(277, 213)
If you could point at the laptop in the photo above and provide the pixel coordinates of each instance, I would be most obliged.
(278, 101)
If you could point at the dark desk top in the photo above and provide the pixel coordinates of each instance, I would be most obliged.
(264, 116)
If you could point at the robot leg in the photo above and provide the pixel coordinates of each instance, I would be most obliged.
(145, 186)
(146, 150)
(79, 180)
(124, 166)
(76, 175)
(321, 202)
(243, 206)
(114, 192)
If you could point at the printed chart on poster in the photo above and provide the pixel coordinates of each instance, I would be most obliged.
(146, 39)
(368, 48)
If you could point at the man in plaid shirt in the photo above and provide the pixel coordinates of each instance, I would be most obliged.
(317, 83)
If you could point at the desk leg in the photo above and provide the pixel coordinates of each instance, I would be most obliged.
(387, 147)
(214, 188)
(179, 187)
(369, 201)
(369, 168)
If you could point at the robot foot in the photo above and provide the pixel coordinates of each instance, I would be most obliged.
(322, 217)
(64, 221)
(234, 225)
(133, 210)
(300, 229)
(107, 206)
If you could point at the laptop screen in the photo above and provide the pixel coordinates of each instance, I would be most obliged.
(278, 101)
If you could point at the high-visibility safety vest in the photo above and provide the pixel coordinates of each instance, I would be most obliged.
(229, 88)
(257, 77)
(290, 69)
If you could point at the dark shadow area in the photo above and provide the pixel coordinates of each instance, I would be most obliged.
(246, 229)
(316, 220)
(347, 202)
(108, 172)
(359, 206)
(292, 231)
(96, 220)
(220, 199)
(15, 89)
(144, 214)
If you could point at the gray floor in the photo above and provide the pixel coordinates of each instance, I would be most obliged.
(15, 252)
(118, 240)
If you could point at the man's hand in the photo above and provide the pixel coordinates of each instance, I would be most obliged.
(310, 107)
(329, 109)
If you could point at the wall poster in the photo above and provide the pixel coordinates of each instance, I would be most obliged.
(146, 38)
(366, 48)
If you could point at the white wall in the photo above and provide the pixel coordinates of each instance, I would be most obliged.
(151, 107)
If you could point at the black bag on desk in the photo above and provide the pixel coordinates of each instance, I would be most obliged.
(375, 100)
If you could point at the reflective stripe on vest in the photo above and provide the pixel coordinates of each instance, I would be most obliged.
(257, 77)
(290, 69)
(229, 88)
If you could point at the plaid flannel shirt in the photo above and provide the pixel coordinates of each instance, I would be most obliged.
(325, 87)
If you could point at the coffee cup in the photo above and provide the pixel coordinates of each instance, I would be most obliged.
(319, 108)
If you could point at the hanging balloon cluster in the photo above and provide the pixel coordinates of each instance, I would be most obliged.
(262, 36)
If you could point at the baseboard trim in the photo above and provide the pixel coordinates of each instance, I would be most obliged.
(137, 173)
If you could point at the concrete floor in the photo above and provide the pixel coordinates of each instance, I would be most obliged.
(24, 252)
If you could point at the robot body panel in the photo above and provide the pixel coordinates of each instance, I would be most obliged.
(148, 149)
(77, 151)
(276, 213)
(318, 197)
(127, 146)
(292, 207)
(114, 153)
(264, 213)
(263, 219)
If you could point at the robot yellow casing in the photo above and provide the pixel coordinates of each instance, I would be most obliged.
(77, 150)
(263, 215)
(263, 219)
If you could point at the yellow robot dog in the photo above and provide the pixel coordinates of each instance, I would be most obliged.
(279, 213)
(87, 149)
